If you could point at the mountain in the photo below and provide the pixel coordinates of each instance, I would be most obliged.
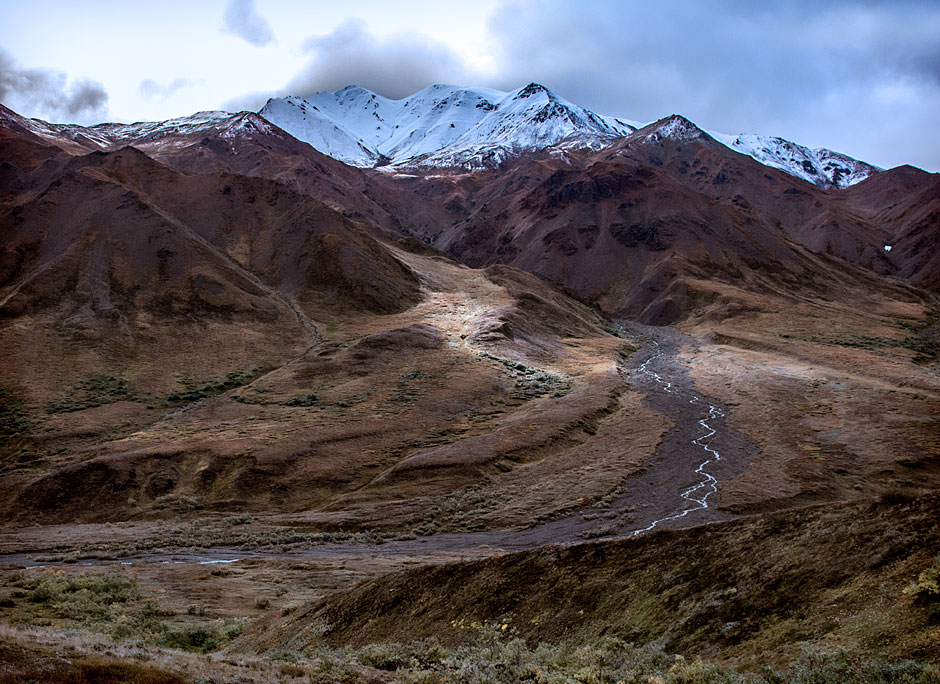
(446, 126)
(243, 143)
(819, 166)
(248, 374)
(905, 202)
(442, 125)
(153, 134)
(132, 291)
(480, 216)
(118, 256)
(648, 226)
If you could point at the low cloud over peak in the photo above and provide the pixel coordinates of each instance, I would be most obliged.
(394, 66)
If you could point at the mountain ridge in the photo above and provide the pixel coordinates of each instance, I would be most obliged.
(443, 127)
(364, 129)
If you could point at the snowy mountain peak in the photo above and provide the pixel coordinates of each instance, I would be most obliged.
(674, 127)
(533, 89)
(445, 126)
(448, 126)
(441, 125)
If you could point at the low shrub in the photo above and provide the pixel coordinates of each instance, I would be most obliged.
(200, 638)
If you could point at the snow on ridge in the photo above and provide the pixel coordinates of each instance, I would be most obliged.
(448, 126)
(107, 136)
(819, 166)
(441, 125)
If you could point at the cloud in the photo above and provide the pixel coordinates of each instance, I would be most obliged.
(150, 89)
(393, 66)
(243, 20)
(248, 102)
(860, 78)
(49, 94)
(857, 76)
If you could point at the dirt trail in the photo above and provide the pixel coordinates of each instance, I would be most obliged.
(676, 489)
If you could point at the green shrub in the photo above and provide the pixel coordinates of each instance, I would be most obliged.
(303, 400)
(193, 392)
(109, 603)
(927, 585)
(94, 391)
(493, 654)
(200, 638)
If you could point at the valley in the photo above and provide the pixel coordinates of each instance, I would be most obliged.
(267, 415)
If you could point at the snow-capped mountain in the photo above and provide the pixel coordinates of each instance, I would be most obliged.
(818, 166)
(442, 125)
(449, 126)
(178, 131)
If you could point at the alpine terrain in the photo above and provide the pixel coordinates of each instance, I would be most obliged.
(467, 386)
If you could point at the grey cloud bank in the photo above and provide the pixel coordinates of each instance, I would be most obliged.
(395, 67)
(50, 94)
(861, 78)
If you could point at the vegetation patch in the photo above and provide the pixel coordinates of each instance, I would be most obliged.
(612, 328)
(303, 400)
(110, 604)
(926, 589)
(15, 425)
(407, 390)
(179, 503)
(459, 511)
(193, 391)
(531, 383)
(925, 342)
(94, 391)
(493, 653)
(200, 638)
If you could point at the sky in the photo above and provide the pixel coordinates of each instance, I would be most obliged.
(861, 77)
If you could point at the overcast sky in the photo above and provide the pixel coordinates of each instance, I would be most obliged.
(859, 77)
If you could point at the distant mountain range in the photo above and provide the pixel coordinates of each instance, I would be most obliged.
(444, 127)
(449, 126)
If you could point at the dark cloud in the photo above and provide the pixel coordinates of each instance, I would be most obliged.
(150, 89)
(862, 77)
(243, 20)
(395, 67)
(49, 94)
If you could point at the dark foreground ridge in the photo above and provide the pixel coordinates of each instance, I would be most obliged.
(752, 591)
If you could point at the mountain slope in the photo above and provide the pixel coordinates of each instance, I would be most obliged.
(123, 255)
(905, 202)
(648, 226)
